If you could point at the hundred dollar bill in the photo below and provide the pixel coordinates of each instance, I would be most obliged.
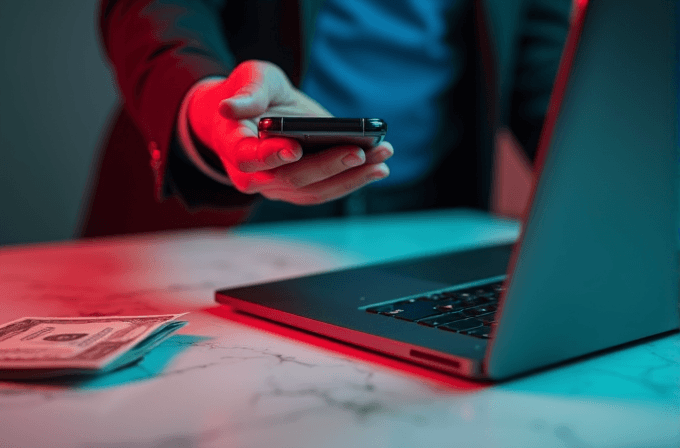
(52, 346)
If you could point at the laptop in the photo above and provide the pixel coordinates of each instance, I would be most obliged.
(596, 264)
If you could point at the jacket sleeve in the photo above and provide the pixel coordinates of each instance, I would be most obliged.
(158, 50)
(543, 35)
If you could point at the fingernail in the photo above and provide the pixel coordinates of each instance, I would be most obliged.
(385, 153)
(381, 172)
(287, 155)
(352, 160)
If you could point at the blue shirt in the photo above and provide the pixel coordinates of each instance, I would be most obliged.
(386, 59)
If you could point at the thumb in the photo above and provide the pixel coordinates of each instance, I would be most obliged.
(266, 85)
(243, 106)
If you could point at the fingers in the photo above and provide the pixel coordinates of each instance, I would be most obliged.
(252, 154)
(275, 167)
(380, 153)
(259, 165)
(341, 184)
(331, 188)
(278, 154)
(318, 167)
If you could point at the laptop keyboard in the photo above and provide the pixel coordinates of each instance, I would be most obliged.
(469, 311)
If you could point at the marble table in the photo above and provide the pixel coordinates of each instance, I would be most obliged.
(231, 381)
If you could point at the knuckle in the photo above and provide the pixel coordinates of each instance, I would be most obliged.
(263, 64)
(247, 185)
(273, 72)
(296, 181)
(266, 65)
(352, 185)
(329, 170)
(251, 164)
(247, 65)
(246, 166)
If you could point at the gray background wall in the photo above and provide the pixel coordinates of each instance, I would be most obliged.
(55, 96)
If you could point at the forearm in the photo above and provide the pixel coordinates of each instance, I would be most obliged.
(158, 51)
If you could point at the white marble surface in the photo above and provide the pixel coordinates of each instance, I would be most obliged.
(225, 381)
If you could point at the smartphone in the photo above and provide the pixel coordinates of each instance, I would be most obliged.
(316, 134)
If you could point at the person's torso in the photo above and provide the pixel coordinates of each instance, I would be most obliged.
(388, 59)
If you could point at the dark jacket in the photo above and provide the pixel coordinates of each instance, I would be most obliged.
(159, 49)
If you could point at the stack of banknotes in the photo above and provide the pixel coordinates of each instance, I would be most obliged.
(42, 347)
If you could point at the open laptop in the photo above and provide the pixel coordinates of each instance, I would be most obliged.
(596, 265)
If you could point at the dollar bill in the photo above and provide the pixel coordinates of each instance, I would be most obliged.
(52, 346)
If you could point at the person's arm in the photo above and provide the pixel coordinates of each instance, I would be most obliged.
(159, 50)
(544, 32)
(197, 153)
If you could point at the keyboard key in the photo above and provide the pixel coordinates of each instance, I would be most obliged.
(451, 305)
(467, 302)
(470, 310)
(412, 311)
(485, 292)
(478, 301)
(480, 332)
(465, 324)
(479, 310)
(443, 319)
(488, 319)
(387, 310)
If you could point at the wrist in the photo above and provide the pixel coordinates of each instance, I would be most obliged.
(192, 142)
(201, 107)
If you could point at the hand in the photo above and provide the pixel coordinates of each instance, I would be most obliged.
(225, 116)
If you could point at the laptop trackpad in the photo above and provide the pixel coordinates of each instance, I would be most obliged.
(451, 269)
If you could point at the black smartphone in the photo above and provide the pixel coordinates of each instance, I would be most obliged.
(315, 133)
